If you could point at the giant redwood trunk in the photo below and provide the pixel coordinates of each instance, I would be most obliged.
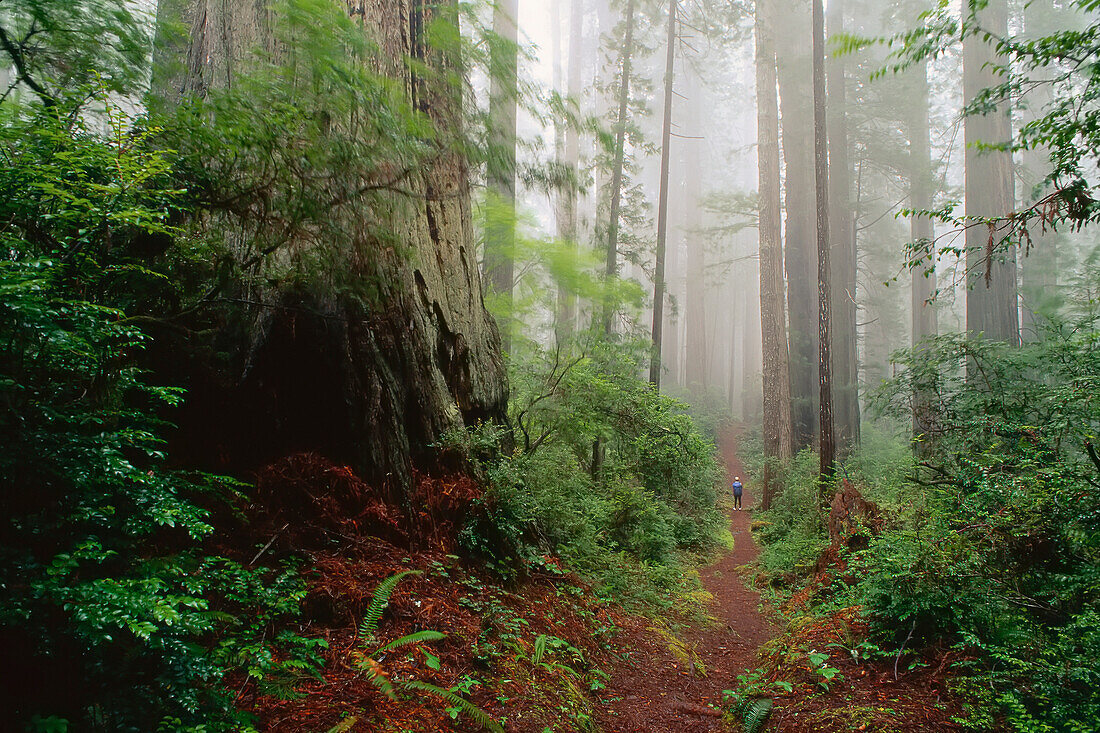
(800, 258)
(369, 383)
(611, 268)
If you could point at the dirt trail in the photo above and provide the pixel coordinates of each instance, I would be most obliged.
(653, 691)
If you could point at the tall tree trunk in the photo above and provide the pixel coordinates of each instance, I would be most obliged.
(662, 204)
(775, 378)
(611, 269)
(373, 385)
(991, 300)
(750, 350)
(676, 280)
(827, 439)
(696, 376)
(842, 235)
(796, 100)
(1041, 296)
(922, 231)
(737, 319)
(500, 234)
(568, 229)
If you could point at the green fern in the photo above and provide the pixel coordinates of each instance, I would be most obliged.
(475, 713)
(540, 649)
(378, 603)
(420, 637)
(756, 714)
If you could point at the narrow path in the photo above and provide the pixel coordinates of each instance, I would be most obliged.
(654, 691)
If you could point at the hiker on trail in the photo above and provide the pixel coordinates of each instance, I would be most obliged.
(737, 493)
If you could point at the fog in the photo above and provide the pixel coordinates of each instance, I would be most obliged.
(878, 174)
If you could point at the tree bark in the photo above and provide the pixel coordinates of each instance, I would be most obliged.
(775, 378)
(611, 269)
(991, 300)
(370, 384)
(827, 439)
(796, 100)
(842, 235)
(500, 234)
(662, 204)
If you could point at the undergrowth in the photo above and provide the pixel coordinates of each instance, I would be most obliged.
(986, 554)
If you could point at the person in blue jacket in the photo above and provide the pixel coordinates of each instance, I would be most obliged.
(737, 488)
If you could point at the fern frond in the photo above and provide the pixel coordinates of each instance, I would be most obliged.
(378, 603)
(756, 714)
(475, 713)
(540, 649)
(420, 637)
(375, 674)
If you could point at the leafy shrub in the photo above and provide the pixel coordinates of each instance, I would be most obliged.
(608, 473)
(106, 581)
(1000, 551)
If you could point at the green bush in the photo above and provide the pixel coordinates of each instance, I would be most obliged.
(1000, 549)
(106, 582)
(649, 496)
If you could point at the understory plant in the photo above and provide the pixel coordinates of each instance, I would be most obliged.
(607, 473)
(115, 612)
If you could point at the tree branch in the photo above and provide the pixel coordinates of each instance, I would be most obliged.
(15, 52)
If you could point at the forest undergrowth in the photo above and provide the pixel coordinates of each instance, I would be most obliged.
(964, 571)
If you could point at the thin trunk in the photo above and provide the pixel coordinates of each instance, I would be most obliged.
(696, 376)
(662, 204)
(796, 99)
(500, 234)
(842, 234)
(611, 269)
(750, 350)
(775, 378)
(827, 439)
(922, 232)
(568, 229)
(991, 300)
(737, 317)
(675, 279)
(1040, 293)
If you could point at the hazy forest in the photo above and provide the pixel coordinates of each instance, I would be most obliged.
(609, 366)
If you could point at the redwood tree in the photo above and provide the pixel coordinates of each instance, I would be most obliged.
(796, 105)
(371, 382)
(773, 327)
(991, 300)
(827, 437)
(662, 203)
(843, 244)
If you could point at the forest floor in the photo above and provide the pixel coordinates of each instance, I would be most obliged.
(657, 689)
(599, 668)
